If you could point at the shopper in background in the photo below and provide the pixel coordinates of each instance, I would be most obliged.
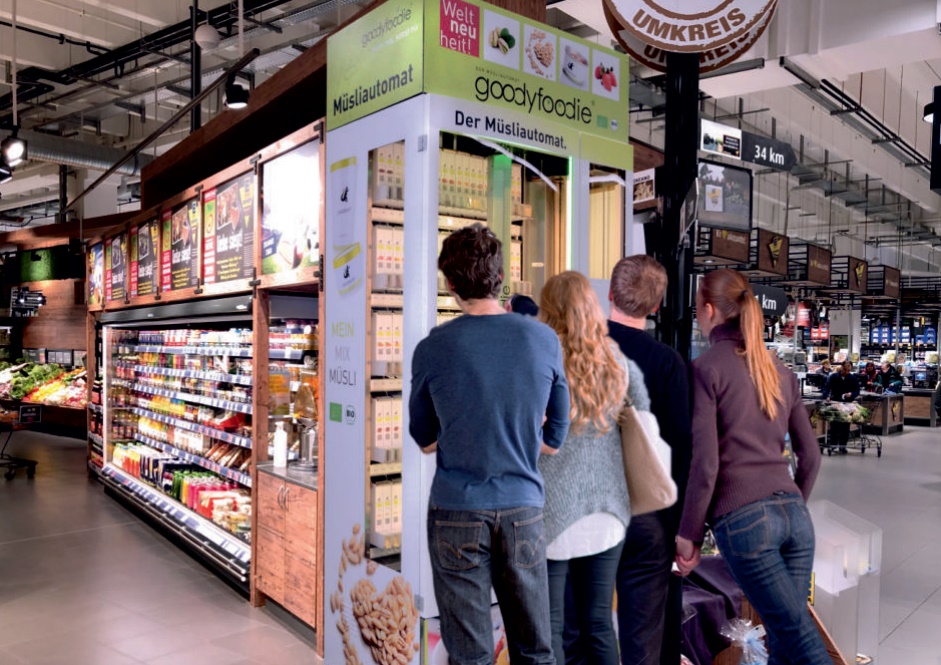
(825, 369)
(587, 504)
(842, 386)
(889, 379)
(521, 304)
(867, 377)
(488, 393)
(744, 404)
(649, 597)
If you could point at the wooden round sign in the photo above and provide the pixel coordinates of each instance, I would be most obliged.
(711, 60)
(690, 26)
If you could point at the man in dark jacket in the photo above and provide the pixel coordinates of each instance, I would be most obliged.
(843, 386)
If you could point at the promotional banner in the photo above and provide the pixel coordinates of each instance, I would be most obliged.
(118, 267)
(145, 244)
(290, 216)
(108, 285)
(229, 230)
(96, 274)
(645, 186)
(180, 266)
(375, 62)
(720, 139)
(478, 52)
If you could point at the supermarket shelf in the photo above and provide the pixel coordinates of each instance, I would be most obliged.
(95, 408)
(224, 471)
(388, 216)
(289, 354)
(236, 379)
(448, 303)
(97, 438)
(390, 300)
(220, 547)
(122, 383)
(239, 352)
(94, 468)
(389, 469)
(380, 553)
(238, 407)
(227, 437)
(385, 385)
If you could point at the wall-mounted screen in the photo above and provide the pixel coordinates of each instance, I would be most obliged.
(725, 196)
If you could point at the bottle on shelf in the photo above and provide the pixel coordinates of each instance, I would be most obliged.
(280, 446)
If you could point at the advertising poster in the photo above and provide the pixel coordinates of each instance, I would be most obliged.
(96, 276)
(720, 139)
(645, 186)
(228, 223)
(290, 217)
(181, 247)
(145, 243)
(726, 198)
(118, 267)
(108, 285)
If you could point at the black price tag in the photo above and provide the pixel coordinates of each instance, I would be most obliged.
(763, 151)
(30, 414)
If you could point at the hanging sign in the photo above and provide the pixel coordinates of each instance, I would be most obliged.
(720, 139)
(690, 26)
(819, 261)
(229, 230)
(773, 300)
(96, 275)
(180, 265)
(115, 267)
(145, 245)
(766, 152)
(772, 252)
(859, 273)
(711, 60)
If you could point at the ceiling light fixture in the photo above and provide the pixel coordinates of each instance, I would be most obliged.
(929, 113)
(207, 37)
(236, 97)
(13, 149)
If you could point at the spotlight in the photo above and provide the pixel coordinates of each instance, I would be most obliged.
(13, 149)
(929, 113)
(236, 97)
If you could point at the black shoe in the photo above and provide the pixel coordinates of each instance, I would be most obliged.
(843, 450)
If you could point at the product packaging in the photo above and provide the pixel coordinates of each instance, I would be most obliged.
(750, 639)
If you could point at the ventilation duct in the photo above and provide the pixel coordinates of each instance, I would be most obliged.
(49, 148)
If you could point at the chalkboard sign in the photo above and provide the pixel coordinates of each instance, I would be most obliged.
(30, 414)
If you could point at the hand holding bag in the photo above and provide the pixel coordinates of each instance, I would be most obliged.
(646, 462)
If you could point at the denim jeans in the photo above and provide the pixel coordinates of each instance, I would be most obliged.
(472, 550)
(592, 591)
(769, 547)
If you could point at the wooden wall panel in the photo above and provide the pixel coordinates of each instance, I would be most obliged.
(61, 323)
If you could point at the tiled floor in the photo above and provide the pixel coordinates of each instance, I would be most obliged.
(84, 582)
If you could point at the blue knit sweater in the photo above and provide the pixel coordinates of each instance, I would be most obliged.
(586, 476)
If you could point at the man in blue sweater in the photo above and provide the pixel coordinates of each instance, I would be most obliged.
(488, 395)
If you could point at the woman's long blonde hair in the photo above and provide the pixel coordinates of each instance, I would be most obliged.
(597, 382)
(732, 296)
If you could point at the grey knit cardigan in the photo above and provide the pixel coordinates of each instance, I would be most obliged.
(586, 476)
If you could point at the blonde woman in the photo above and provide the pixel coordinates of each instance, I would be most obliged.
(744, 403)
(587, 508)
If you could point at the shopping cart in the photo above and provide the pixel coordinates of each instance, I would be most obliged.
(859, 419)
(10, 463)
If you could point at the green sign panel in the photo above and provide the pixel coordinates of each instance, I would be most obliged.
(374, 62)
(474, 51)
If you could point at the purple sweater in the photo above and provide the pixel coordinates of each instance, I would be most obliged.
(737, 451)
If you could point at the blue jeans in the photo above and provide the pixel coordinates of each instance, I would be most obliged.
(592, 592)
(472, 550)
(769, 547)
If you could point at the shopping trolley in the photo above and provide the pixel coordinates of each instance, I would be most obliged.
(10, 463)
(858, 417)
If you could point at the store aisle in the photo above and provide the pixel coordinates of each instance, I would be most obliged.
(84, 582)
(901, 492)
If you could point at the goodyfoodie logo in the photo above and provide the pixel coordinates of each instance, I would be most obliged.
(532, 99)
(689, 25)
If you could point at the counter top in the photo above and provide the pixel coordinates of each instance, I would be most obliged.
(926, 392)
(291, 474)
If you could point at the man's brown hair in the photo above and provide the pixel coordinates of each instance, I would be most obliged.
(472, 262)
(637, 285)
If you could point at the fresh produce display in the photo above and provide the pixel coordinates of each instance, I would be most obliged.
(43, 384)
(69, 390)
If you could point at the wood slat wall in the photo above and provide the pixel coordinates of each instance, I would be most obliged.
(61, 322)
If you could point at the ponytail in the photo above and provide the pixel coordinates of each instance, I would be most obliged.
(760, 366)
(729, 292)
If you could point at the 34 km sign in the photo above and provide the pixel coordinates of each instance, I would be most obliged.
(770, 153)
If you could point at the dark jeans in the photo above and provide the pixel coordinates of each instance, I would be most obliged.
(643, 585)
(592, 592)
(839, 434)
(472, 550)
(769, 547)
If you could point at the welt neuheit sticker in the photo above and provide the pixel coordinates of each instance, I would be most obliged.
(180, 265)
(228, 213)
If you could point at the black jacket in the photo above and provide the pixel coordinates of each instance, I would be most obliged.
(839, 385)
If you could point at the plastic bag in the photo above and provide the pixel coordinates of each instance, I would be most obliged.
(750, 639)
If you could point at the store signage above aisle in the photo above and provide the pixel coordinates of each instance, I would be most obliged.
(180, 264)
(710, 60)
(772, 252)
(690, 26)
(720, 139)
(116, 268)
(229, 230)
(773, 300)
(766, 152)
(469, 50)
(96, 275)
(145, 249)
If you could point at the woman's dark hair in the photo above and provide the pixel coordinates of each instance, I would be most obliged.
(732, 296)
(524, 305)
(472, 262)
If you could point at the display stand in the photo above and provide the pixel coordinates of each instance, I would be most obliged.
(405, 167)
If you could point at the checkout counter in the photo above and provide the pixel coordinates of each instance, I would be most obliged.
(921, 402)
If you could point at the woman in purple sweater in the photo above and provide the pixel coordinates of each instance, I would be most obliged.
(744, 403)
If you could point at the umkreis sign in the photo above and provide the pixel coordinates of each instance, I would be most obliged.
(689, 25)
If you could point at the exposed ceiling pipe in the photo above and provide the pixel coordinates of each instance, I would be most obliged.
(48, 148)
